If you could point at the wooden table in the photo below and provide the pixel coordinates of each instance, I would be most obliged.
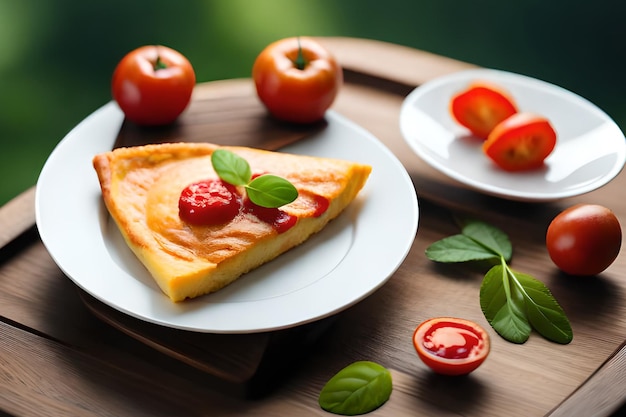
(62, 353)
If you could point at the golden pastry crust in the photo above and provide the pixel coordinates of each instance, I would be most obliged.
(141, 187)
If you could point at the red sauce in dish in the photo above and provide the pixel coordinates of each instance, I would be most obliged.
(321, 205)
(280, 220)
(452, 340)
(451, 346)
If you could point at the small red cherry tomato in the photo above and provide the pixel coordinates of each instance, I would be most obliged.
(521, 142)
(481, 107)
(153, 85)
(297, 79)
(209, 203)
(584, 239)
(451, 346)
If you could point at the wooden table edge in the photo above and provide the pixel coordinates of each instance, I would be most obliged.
(17, 216)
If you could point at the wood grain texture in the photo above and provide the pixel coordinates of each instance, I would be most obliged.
(231, 116)
(17, 216)
(44, 378)
(48, 335)
(389, 62)
(601, 394)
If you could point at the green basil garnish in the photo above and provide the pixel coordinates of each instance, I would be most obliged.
(231, 167)
(266, 190)
(271, 191)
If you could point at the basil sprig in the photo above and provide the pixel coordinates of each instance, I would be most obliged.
(266, 190)
(358, 388)
(513, 303)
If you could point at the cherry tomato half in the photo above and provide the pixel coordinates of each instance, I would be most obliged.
(521, 142)
(297, 79)
(153, 85)
(451, 346)
(481, 107)
(584, 239)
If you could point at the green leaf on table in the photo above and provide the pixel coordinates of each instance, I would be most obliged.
(459, 248)
(513, 303)
(494, 239)
(359, 388)
(231, 167)
(543, 311)
(503, 307)
(271, 191)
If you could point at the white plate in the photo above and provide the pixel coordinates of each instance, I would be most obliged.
(590, 149)
(348, 260)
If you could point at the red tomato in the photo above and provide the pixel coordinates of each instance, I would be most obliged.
(521, 142)
(451, 346)
(481, 107)
(209, 202)
(297, 79)
(153, 85)
(584, 239)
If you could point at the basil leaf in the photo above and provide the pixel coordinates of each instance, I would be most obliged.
(458, 248)
(357, 389)
(490, 236)
(268, 191)
(513, 303)
(230, 167)
(543, 311)
(271, 191)
(503, 307)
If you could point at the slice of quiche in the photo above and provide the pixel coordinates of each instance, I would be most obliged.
(142, 188)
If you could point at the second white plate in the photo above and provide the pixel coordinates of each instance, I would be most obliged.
(590, 150)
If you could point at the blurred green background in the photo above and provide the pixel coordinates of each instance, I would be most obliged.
(57, 56)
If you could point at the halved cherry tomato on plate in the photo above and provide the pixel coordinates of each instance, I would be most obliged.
(153, 85)
(481, 107)
(584, 239)
(521, 142)
(451, 346)
(297, 79)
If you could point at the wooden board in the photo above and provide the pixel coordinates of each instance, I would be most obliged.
(58, 358)
(226, 116)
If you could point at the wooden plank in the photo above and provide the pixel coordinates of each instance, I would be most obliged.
(376, 329)
(237, 358)
(391, 62)
(231, 116)
(17, 216)
(41, 377)
(601, 394)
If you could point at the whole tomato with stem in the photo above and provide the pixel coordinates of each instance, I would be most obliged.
(584, 239)
(297, 79)
(153, 85)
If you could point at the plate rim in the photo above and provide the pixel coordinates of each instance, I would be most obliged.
(110, 116)
(408, 106)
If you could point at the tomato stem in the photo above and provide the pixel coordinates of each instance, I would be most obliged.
(159, 64)
(300, 62)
